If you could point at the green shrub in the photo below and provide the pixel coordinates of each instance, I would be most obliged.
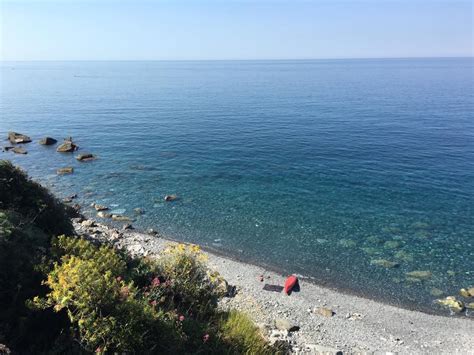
(104, 308)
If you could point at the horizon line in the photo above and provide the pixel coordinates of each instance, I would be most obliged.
(229, 60)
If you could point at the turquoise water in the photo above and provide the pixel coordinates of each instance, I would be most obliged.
(310, 167)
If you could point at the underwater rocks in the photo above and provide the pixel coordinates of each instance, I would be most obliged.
(139, 211)
(347, 243)
(120, 218)
(67, 146)
(392, 244)
(19, 150)
(85, 157)
(384, 263)
(419, 274)
(64, 171)
(403, 255)
(17, 138)
(452, 303)
(47, 141)
(170, 198)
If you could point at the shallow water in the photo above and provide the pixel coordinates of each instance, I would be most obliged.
(312, 167)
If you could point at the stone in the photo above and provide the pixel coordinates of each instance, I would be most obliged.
(470, 305)
(374, 239)
(170, 198)
(17, 138)
(67, 146)
(88, 223)
(100, 207)
(419, 274)
(391, 244)
(347, 243)
(19, 150)
(370, 250)
(467, 293)
(436, 292)
(403, 255)
(322, 350)
(127, 226)
(384, 263)
(64, 171)
(7, 148)
(120, 218)
(151, 231)
(48, 141)
(323, 311)
(103, 214)
(284, 324)
(85, 157)
(139, 211)
(452, 303)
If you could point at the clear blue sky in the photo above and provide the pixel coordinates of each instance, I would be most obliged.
(234, 29)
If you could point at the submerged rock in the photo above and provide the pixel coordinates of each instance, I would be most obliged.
(85, 157)
(120, 218)
(17, 138)
(436, 292)
(66, 170)
(374, 239)
(67, 146)
(384, 263)
(391, 244)
(403, 255)
(19, 150)
(347, 243)
(100, 207)
(370, 250)
(419, 225)
(452, 303)
(170, 198)
(139, 211)
(419, 274)
(470, 305)
(48, 141)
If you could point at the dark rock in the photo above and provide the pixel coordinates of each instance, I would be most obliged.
(19, 150)
(85, 157)
(170, 198)
(7, 148)
(67, 146)
(48, 141)
(127, 226)
(17, 138)
(66, 170)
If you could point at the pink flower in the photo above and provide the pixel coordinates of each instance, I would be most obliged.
(98, 350)
(205, 338)
(118, 278)
(153, 303)
(181, 318)
(155, 282)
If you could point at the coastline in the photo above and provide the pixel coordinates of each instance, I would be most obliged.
(357, 324)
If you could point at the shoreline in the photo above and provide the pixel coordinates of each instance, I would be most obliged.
(356, 324)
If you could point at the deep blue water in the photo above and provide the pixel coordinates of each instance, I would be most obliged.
(309, 167)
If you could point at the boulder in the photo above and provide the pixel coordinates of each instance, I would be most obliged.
(19, 150)
(170, 198)
(85, 157)
(127, 226)
(467, 293)
(452, 303)
(284, 324)
(88, 223)
(103, 214)
(67, 146)
(119, 218)
(419, 274)
(139, 211)
(17, 138)
(7, 148)
(100, 207)
(384, 263)
(66, 170)
(48, 141)
(470, 305)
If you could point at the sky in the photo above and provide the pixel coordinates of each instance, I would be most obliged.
(233, 29)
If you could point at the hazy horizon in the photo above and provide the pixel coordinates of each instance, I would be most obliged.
(61, 30)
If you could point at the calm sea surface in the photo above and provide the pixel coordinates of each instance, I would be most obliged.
(310, 167)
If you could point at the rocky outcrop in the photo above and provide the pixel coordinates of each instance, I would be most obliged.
(64, 171)
(48, 141)
(67, 146)
(170, 198)
(85, 157)
(17, 138)
(452, 303)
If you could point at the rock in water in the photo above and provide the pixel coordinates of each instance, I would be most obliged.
(103, 214)
(170, 198)
(85, 157)
(384, 263)
(67, 146)
(19, 150)
(17, 138)
(419, 274)
(63, 171)
(48, 141)
(467, 293)
(452, 303)
(100, 207)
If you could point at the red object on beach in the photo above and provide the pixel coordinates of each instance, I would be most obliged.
(290, 283)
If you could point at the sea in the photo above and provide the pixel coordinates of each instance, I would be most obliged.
(357, 175)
